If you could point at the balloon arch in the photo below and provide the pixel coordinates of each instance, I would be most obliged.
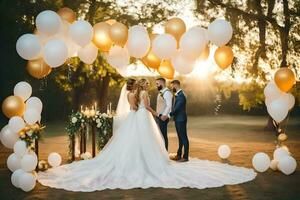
(59, 36)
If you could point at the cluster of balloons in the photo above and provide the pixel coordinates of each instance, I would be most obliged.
(24, 112)
(277, 98)
(59, 36)
(21, 108)
(282, 160)
(22, 163)
(224, 151)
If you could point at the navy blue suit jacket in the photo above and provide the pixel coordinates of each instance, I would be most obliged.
(179, 108)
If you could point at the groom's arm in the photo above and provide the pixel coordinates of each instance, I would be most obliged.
(180, 102)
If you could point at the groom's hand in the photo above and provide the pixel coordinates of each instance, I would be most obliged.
(164, 117)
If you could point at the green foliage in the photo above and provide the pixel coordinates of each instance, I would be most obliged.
(78, 122)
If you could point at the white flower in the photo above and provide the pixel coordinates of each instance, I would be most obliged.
(97, 113)
(98, 125)
(104, 115)
(82, 120)
(86, 155)
(74, 120)
(29, 133)
(98, 121)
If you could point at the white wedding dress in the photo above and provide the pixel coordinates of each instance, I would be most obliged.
(135, 157)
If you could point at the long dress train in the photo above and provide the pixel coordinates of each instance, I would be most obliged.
(135, 157)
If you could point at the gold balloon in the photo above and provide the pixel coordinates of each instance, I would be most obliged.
(282, 137)
(27, 128)
(13, 106)
(118, 33)
(175, 27)
(166, 69)
(22, 133)
(67, 14)
(110, 21)
(204, 54)
(101, 36)
(223, 56)
(38, 68)
(284, 79)
(151, 60)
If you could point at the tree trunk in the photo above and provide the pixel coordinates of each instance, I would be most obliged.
(102, 93)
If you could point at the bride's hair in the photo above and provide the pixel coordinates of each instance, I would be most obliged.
(140, 86)
(130, 84)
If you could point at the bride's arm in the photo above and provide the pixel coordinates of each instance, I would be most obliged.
(145, 98)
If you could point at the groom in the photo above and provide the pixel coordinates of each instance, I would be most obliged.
(163, 107)
(180, 117)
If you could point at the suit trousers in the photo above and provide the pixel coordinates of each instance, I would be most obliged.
(182, 139)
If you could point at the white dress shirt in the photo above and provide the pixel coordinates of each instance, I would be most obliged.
(178, 92)
(164, 103)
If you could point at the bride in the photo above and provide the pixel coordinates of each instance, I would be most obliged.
(135, 157)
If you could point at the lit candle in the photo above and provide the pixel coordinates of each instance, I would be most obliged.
(110, 107)
(81, 109)
(95, 105)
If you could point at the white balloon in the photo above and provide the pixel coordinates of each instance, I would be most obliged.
(34, 103)
(287, 165)
(122, 71)
(8, 137)
(48, 22)
(81, 32)
(274, 165)
(31, 116)
(182, 64)
(54, 159)
(73, 48)
(272, 92)
(64, 29)
(138, 43)
(16, 123)
(55, 52)
(278, 109)
(164, 46)
(88, 54)
(261, 162)
(29, 162)
(28, 46)
(280, 153)
(15, 177)
(13, 162)
(224, 151)
(137, 28)
(20, 148)
(193, 42)
(23, 90)
(27, 181)
(220, 32)
(118, 57)
(289, 99)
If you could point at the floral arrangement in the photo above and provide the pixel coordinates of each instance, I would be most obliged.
(31, 133)
(79, 120)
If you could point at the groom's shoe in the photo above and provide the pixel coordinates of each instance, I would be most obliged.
(183, 160)
(176, 158)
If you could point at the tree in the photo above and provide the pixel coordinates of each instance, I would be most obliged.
(91, 82)
(266, 36)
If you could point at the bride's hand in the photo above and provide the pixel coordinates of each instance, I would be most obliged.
(155, 113)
